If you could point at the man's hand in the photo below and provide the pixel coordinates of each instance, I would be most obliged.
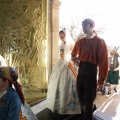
(75, 59)
(99, 87)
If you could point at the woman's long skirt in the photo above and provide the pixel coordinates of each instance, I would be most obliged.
(62, 95)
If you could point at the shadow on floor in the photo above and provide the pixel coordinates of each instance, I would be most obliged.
(46, 114)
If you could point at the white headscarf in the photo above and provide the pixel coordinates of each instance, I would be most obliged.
(69, 42)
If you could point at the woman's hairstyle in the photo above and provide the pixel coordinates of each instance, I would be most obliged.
(113, 52)
(63, 31)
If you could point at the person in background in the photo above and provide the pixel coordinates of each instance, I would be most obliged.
(10, 98)
(91, 51)
(113, 68)
(62, 95)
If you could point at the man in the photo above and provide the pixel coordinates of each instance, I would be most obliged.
(10, 99)
(92, 52)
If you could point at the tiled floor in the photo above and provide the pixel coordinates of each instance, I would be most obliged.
(39, 107)
(109, 106)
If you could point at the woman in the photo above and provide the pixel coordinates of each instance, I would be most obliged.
(62, 96)
(12, 102)
(113, 71)
(10, 99)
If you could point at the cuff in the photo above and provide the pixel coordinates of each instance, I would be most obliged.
(101, 82)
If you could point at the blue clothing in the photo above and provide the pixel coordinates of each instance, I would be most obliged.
(10, 105)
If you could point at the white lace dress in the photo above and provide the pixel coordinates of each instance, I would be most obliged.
(26, 113)
(62, 96)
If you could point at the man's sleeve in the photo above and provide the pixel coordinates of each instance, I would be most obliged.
(74, 51)
(103, 62)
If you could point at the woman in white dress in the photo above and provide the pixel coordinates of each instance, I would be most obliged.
(62, 96)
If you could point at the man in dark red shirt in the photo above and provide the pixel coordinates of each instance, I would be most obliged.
(92, 52)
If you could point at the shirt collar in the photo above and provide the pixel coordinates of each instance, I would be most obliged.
(92, 36)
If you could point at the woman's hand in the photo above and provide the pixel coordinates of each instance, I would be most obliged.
(76, 61)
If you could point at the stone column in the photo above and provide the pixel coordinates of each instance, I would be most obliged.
(55, 30)
(49, 41)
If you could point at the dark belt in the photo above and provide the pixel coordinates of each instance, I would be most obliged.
(86, 68)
